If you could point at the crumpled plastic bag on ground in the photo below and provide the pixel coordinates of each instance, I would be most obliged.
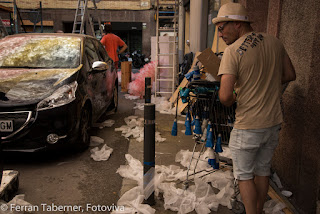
(177, 199)
(132, 201)
(162, 105)
(183, 157)
(96, 141)
(200, 197)
(133, 170)
(106, 123)
(226, 152)
(273, 207)
(135, 128)
(276, 179)
(131, 97)
(18, 200)
(171, 173)
(101, 155)
(158, 137)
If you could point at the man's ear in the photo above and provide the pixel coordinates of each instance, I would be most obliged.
(237, 25)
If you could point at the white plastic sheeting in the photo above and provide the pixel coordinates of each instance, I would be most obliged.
(273, 207)
(96, 141)
(200, 196)
(131, 97)
(133, 170)
(162, 105)
(204, 195)
(106, 123)
(132, 202)
(102, 154)
(286, 193)
(135, 128)
(276, 179)
(226, 152)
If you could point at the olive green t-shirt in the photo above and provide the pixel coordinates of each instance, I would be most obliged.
(256, 61)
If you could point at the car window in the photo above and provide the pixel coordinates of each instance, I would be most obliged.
(101, 51)
(91, 52)
(40, 52)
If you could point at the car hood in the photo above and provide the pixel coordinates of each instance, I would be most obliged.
(29, 86)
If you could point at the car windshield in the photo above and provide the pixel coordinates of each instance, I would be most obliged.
(40, 52)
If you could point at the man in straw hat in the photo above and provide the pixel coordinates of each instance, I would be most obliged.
(253, 68)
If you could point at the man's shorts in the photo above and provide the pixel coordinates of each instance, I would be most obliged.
(252, 151)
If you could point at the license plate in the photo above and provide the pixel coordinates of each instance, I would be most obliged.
(6, 126)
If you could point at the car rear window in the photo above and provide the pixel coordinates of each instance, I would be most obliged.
(40, 52)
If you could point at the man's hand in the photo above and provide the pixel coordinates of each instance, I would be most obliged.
(124, 47)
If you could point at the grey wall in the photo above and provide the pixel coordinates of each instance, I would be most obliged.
(296, 159)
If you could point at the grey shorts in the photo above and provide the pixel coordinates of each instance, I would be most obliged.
(252, 151)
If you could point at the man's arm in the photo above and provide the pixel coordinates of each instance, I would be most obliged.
(124, 47)
(288, 73)
(226, 95)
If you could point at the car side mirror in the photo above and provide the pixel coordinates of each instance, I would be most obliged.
(99, 66)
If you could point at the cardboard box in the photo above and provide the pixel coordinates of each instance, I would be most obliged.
(211, 62)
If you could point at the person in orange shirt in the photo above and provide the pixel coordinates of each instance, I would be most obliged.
(111, 43)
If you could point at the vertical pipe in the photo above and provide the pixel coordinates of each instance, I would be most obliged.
(15, 16)
(181, 31)
(147, 90)
(41, 17)
(11, 24)
(198, 25)
(149, 153)
(157, 53)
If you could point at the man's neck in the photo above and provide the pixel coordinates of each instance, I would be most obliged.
(245, 30)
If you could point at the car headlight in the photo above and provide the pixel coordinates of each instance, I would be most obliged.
(61, 96)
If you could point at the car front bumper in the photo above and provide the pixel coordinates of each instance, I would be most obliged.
(62, 121)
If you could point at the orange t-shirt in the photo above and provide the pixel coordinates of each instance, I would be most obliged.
(111, 43)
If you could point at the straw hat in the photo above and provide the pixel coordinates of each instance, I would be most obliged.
(231, 12)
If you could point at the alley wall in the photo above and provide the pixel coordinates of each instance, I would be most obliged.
(296, 161)
(297, 157)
